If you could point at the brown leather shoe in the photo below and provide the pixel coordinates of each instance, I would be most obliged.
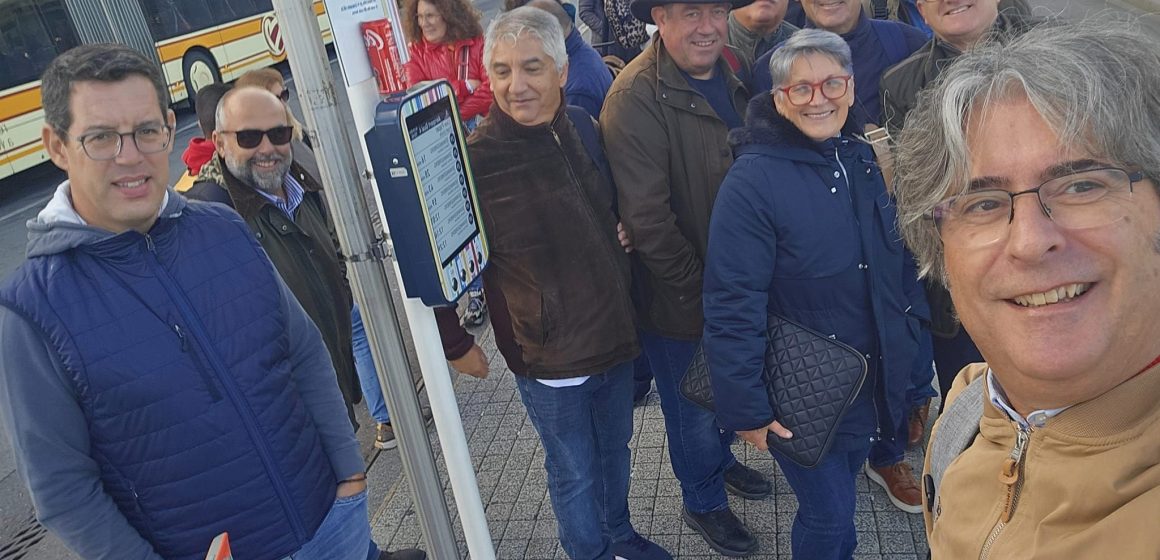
(918, 418)
(900, 485)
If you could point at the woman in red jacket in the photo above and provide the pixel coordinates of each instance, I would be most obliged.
(446, 41)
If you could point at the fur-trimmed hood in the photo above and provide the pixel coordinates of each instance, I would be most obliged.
(766, 127)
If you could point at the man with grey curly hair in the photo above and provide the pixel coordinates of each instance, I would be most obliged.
(567, 329)
(1028, 184)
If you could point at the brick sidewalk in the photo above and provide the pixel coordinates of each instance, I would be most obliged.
(508, 463)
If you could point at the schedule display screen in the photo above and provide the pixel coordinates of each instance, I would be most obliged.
(442, 178)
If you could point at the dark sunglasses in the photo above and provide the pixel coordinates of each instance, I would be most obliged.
(285, 95)
(279, 136)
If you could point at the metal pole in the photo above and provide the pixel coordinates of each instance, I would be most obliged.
(336, 161)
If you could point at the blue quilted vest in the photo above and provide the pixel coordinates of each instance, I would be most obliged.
(177, 349)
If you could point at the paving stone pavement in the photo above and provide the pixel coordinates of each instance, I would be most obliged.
(508, 462)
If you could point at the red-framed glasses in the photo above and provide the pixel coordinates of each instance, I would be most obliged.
(832, 88)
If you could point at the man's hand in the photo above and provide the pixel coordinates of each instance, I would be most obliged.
(473, 363)
(757, 438)
(351, 486)
(622, 236)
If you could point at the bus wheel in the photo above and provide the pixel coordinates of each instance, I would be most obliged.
(200, 70)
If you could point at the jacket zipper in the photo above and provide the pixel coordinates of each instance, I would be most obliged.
(870, 279)
(1010, 475)
(201, 369)
(587, 204)
(227, 382)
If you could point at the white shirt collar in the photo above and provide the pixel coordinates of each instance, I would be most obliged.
(999, 399)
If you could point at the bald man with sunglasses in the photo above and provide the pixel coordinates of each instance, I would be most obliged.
(280, 197)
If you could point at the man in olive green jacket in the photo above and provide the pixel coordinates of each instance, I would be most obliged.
(665, 122)
(275, 189)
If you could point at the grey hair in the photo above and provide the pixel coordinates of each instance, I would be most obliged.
(806, 42)
(1096, 84)
(526, 21)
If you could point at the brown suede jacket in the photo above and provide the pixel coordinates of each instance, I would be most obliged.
(668, 153)
(555, 257)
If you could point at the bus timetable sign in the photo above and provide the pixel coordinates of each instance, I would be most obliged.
(426, 192)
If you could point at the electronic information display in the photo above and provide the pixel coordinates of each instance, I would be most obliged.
(441, 177)
(426, 192)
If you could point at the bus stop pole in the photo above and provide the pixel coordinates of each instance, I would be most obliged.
(336, 161)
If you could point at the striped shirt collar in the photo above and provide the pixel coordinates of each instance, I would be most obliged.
(294, 194)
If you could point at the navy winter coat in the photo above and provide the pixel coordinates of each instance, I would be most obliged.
(807, 230)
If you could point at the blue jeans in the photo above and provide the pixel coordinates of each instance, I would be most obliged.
(585, 431)
(345, 533)
(824, 526)
(891, 451)
(698, 449)
(364, 364)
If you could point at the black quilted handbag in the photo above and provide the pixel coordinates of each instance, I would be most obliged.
(811, 380)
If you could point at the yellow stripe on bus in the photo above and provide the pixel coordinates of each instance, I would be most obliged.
(19, 103)
(22, 153)
(174, 51)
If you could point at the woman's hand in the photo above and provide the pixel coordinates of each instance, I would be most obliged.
(757, 438)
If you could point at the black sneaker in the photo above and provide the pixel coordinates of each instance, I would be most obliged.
(639, 548)
(744, 482)
(723, 531)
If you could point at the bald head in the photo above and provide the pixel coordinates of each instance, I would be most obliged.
(253, 138)
(242, 100)
(553, 7)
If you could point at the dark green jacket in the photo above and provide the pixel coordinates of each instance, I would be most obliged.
(306, 253)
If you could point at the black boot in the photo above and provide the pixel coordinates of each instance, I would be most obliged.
(405, 554)
(723, 531)
(747, 483)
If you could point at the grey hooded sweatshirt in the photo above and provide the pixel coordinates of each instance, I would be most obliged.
(50, 436)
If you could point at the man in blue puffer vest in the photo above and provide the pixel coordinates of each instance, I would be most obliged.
(159, 382)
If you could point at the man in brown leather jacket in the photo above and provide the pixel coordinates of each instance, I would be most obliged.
(665, 123)
(567, 326)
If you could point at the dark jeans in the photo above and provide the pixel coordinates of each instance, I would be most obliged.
(642, 376)
(824, 526)
(951, 355)
(585, 431)
(891, 451)
(698, 450)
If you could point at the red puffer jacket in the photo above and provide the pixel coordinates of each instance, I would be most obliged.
(434, 61)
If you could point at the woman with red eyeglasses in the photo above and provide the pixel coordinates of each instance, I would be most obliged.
(803, 229)
(446, 42)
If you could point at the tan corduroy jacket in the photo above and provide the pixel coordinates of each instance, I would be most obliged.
(1087, 485)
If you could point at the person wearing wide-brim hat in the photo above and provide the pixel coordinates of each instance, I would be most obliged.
(642, 9)
(664, 123)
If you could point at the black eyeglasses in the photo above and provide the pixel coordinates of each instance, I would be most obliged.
(248, 139)
(105, 145)
(1084, 199)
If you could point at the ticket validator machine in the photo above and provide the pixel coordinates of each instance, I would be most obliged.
(426, 191)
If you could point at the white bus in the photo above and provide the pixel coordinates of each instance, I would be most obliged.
(195, 42)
